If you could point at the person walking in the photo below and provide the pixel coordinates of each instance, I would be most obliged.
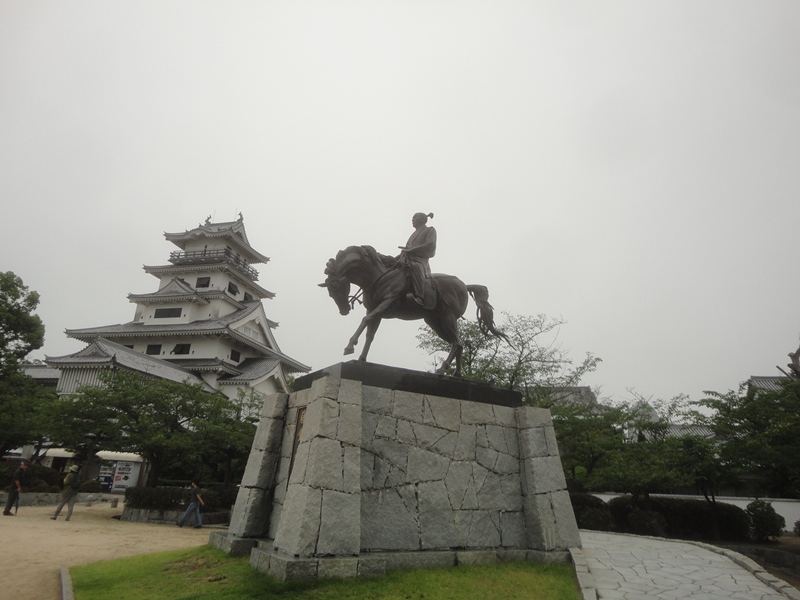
(195, 502)
(15, 489)
(70, 494)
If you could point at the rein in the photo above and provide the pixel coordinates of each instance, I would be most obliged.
(360, 293)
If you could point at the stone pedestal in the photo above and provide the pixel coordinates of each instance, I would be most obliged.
(347, 477)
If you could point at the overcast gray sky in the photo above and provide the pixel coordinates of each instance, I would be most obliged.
(633, 166)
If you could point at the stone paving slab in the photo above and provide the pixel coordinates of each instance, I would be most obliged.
(626, 567)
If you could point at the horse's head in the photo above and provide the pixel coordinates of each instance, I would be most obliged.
(338, 286)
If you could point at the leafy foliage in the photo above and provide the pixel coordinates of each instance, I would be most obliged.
(161, 420)
(21, 331)
(766, 522)
(531, 363)
(24, 405)
(758, 429)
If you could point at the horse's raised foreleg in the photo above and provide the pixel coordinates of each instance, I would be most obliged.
(373, 316)
(372, 327)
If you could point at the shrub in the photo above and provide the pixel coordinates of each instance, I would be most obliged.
(647, 522)
(90, 487)
(797, 527)
(169, 498)
(157, 498)
(37, 478)
(765, 522)
(683, 518)
(591, 512)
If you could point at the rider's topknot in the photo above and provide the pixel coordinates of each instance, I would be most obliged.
(429, 215)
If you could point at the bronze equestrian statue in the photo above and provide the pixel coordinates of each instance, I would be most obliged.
(387, 294)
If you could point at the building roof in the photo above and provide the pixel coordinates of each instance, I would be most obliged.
(232, 270)
(252, 369)
(41, 373)
(222, 326)
(103, 353)
(232, 232)
(773, 384)
(176, 290)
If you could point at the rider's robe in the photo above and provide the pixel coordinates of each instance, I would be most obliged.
(420, 247)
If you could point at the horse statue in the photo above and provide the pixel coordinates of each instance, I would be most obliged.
(384, 286)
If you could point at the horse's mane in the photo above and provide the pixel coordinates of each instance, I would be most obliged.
(370, 253)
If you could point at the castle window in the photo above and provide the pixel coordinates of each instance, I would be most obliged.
(181, 348)
(248, 297)
(203, 282)
(235, 356)
(166, 313)
(153, 349)
(233, 288)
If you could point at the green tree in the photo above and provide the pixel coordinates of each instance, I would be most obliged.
(758, 430)
(23, 402)
(532, 363)
(21, 331)
(160, 420)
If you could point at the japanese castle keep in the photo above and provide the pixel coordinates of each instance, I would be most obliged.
(205, 322)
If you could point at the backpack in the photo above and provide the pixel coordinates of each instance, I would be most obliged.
(72, 481)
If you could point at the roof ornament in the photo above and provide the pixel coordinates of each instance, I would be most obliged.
(241, 217)
(208, 220)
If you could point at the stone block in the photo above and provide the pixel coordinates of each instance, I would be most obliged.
(484, 531)
(497, 438)
(486, 457)
(442, 412)
(274, 406)
(349, 430)
(552, 442)
(505, 416)
(325, 387)
(476, 413)
(259, 559)
(446, 446)
(430, 559)
(567, 527)
(405, 433)
(476, 557)
(507, 555)
(261, 469)
(424, 465)
(300, 463)
(552, 557)
(321, 420)
(512, 441)
(250, 515)
(458, 478)
(392, 452)
(351, 474)
(298, 530)
(427, 436)
(299, 398)
(325, 465)
(274, 520)
(269, 435)
(369, 423)
(386, 428)
(337, 567)
(506, 464)
(529, 416)
(286, 568)
(533, 443)
(371, 566)
(543, 475)
(376, 400)
(512, 530)
(465, 443)
(350, 392)
(540, 523)
(389, 521)
(340, 527)
(407, 406)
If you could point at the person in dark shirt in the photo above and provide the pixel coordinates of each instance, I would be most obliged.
(16, 487)
(195, 502)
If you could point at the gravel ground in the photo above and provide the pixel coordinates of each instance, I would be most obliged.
(33, 548)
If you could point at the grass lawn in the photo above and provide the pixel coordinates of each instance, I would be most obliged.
(206, 572)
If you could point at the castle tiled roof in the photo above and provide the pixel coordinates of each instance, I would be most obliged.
(105, 353)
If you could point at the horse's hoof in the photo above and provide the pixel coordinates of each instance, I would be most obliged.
(349, 350)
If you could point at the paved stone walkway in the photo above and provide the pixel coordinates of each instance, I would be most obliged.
(623, 567)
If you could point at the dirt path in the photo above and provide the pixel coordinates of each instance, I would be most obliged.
(33, 548)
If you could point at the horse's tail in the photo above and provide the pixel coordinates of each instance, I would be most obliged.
(480, 293)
